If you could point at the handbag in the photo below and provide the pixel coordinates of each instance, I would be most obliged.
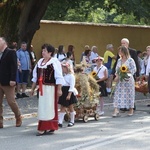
(102, 85)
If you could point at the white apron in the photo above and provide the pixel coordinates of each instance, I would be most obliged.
(46, 105)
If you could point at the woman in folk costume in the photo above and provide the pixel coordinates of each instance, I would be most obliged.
(68, 97)
(48, 75)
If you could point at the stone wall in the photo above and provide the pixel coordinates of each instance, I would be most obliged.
(81, 34)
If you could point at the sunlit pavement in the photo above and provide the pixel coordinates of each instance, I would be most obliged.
(108, 133)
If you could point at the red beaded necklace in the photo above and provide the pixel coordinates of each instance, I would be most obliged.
(42, 64)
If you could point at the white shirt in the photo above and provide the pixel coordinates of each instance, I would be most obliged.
(100, 71)
(148, 66)
(61, 57)
(141, 64)
(93, 56)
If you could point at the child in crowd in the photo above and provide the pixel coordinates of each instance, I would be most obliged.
(102, 74)
(69, 61)
(68, 97)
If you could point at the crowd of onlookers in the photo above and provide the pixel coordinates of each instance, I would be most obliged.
(27, 60)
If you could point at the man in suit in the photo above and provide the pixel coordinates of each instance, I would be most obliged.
(8, 70)
(133, 54)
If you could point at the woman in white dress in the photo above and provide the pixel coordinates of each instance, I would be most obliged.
(48, 75)
(124, 94)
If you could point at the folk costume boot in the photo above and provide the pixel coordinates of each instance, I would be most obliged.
(72, 117)
(1, 120)
(18, 121)
(1, 124)
(60, 119)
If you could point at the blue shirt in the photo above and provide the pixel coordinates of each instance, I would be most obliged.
(24, 58)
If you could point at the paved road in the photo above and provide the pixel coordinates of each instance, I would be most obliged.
(130, 133)
(28, 106)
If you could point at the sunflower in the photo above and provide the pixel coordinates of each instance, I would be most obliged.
(123, 68)
(93, 73)
(122, 72)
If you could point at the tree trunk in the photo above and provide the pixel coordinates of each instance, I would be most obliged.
(9, 17)
(29, 22)
(20, 19)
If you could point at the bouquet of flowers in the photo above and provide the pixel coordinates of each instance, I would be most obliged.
(123, 73)
(94, 75)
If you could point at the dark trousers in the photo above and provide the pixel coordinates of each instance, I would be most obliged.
(149, 83)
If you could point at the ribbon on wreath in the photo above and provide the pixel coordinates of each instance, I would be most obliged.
(40, 86)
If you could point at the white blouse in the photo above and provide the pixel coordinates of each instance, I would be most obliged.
(148, 67)
(61, 57)
(69, 81)
(100, 71)
(57, 67)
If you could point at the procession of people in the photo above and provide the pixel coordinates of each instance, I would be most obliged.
(54, 75)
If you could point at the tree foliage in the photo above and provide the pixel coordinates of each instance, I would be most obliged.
(21, 18)
(77, 10)
(138, 8)
(104, 11)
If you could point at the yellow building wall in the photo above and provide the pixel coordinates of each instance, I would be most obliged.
(81, 34)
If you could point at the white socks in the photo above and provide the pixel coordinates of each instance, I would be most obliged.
(61, 117)
(108, 90)
(72, 116)
(62, 114)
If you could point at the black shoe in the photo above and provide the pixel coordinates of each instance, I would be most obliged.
(148, 105)
(108, 93)
(134, 107)
(51, 131)
(60, 125)
(124, 109)
(24, 95)
(70, 124)
(40, 134)
(18, 95)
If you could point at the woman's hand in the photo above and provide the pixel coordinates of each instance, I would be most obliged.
(99, 80)
(68, 97)
(116, 79)
(12, 83)
(32, 89)
(59, 91)
(31, 92)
